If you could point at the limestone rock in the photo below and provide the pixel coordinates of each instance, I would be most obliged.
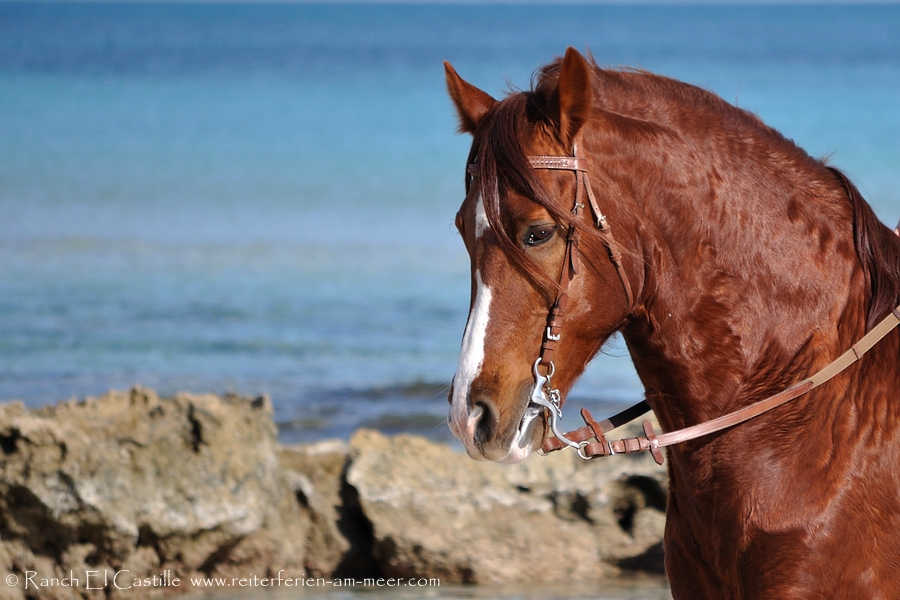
(436, 513)
(339, 540)
(129, 480)
(197, 485)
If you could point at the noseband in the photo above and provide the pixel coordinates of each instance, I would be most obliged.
(543, 393)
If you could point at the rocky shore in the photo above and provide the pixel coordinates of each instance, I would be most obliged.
(132, 495)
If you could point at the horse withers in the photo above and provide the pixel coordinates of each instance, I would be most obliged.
(735, 267)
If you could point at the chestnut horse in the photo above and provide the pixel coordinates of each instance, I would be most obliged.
(746, 265)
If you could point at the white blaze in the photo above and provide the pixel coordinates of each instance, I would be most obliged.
(471, 357)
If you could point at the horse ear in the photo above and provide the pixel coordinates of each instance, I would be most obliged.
(471, 103)
(573, 99)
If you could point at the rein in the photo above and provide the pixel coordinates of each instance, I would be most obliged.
(651, 442)
(544, 395)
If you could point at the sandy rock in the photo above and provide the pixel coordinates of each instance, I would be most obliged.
(436, 513)
(129, 480)
(339, 540)
(197, 485)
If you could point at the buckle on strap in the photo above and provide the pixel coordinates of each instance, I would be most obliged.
(580, 440)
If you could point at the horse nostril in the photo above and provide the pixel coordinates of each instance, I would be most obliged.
(482, 417)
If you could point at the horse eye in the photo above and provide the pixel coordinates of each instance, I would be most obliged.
(537, 235)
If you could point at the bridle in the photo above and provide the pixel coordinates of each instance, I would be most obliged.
(544, 395)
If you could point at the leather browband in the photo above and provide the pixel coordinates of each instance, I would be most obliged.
(563, 163)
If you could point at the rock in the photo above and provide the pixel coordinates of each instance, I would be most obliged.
(339, 542)
(197, 485)
(436, 513)
(132, 481)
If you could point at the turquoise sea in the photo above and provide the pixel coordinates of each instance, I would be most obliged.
(259, 197)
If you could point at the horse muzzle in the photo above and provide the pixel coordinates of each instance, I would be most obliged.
(477, 423)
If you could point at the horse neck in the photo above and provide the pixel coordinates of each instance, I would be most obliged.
(750, 277)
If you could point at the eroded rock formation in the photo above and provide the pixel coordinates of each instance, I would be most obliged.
(198, 486)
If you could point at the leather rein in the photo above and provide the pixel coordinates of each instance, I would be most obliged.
(590, 441)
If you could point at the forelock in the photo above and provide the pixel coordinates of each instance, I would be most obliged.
(499, 151)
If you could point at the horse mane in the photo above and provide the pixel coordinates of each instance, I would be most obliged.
(499, 153)
(879, 252)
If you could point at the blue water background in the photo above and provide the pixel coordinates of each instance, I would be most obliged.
(259, 198)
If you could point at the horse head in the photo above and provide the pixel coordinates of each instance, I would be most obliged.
(521, 222)
(735, 250)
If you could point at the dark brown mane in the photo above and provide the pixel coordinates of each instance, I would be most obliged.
(499, 152)
(879, 252)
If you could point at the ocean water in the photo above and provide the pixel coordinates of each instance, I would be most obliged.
(259, 198)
